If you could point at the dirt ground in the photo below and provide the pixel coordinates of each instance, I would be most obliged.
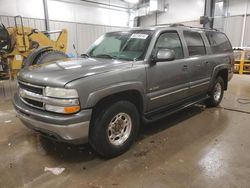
(196, 147)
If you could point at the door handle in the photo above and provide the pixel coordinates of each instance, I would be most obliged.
(185, 67)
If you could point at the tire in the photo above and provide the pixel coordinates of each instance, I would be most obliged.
(217, 92)
(34, 55)
(108, 122)
(47, 56)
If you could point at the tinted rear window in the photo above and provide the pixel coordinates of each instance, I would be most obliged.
(195, 43)
(219, 42)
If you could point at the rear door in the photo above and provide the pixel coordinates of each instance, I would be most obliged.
(197, 62)
(221, 50)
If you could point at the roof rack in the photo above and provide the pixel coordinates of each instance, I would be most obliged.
(177, 24)
(182, 25)
(212, 29)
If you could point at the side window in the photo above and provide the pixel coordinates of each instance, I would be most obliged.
(195, 43)
(170, 40)
(218, 42)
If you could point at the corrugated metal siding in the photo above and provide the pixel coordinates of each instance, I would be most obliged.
(247, 34)
(71, 28)
(87, 34)
(8, 21)
(195, 23)
(150, 21)
(80, 34)
(7, 89)
(232, 26)
(147, 21)
(233, 29)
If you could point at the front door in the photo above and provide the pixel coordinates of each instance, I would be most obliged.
(167, 82)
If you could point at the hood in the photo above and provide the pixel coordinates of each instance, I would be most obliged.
(61, 72)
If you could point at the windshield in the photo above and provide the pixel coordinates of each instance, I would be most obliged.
(130, 45)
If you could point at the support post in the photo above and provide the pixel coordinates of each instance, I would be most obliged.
(244, 26)
(208, 11)
(46, 14)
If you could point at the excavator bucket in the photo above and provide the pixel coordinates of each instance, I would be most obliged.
(5, 40)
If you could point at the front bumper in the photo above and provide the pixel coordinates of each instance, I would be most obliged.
(67, 128)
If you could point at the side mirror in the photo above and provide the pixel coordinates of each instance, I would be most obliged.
(164, 55)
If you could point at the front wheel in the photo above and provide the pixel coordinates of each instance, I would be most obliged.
(216, 94)
(114, 128)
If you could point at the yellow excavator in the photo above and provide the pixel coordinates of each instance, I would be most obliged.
(24, 46)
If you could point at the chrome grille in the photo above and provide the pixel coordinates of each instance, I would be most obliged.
(34, 103)
(31, 95)
(31, 88)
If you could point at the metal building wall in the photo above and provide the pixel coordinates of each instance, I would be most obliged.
(87, 34)
(247, 32)
(7, 90)
(80, 34)
(232, 26)
(8, 21)
(194, 23)
(233, 29)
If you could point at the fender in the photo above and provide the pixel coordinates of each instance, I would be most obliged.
(216, 71)
(34, 54)
(96, 96)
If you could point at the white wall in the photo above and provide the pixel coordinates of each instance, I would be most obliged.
(66, 11)
(25, 8)
(178, 11)
(87, 13)
(237, 7)
(85, 22)
(190, 10)
(80, 34)
(182, 11)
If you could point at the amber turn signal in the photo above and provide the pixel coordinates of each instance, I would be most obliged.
(71, 109)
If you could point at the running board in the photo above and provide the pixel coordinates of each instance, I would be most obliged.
(157, 116)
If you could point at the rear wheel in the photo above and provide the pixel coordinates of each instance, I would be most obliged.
(216, 93)
(114, 128)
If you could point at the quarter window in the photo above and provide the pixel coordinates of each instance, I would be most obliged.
(195, 43)
(218, 42)
(170, 40)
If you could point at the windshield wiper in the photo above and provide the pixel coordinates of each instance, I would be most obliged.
(85, 55)
(104, 56)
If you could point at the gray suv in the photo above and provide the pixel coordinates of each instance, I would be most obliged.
(124, 79)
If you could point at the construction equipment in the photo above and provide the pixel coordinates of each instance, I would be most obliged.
(24, 46)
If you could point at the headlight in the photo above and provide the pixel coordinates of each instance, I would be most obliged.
(63, 101)
(61, 93)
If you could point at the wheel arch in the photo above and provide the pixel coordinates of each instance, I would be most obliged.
(222, 71)
(132, 92)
